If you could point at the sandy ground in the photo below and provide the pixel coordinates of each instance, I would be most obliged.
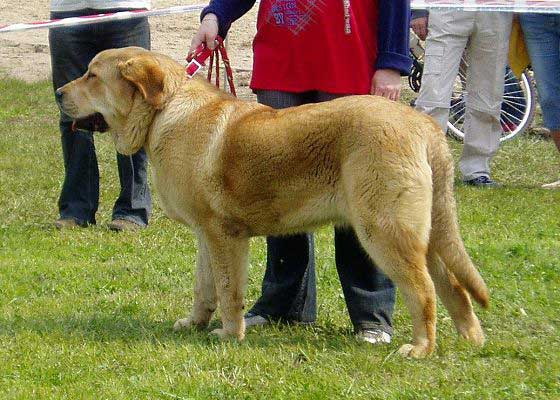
(25, 55)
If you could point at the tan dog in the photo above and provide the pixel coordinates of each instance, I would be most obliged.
(233, 169)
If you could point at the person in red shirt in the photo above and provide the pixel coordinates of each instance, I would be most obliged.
(308, 51)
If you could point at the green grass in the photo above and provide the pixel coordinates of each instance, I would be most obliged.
(87, 314)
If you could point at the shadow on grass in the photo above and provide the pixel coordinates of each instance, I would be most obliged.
(502, 186)
(119, 327)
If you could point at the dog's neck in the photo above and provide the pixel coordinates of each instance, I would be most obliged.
(177, 111)
(132, 134)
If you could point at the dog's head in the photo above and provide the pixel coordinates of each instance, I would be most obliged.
(121, 92)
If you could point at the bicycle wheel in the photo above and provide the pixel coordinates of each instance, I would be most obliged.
(518, 107)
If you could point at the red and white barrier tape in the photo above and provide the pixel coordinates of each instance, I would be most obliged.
(518, 6)
(91, 19)
(535, 6)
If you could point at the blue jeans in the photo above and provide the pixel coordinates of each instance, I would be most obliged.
(289, 286)
(71, 51)
(542, 36)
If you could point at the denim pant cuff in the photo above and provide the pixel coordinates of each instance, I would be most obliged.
(282, 318)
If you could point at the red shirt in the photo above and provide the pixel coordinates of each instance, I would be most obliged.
(304, 45)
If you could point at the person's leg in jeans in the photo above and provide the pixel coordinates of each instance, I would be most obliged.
(542, 35)
(288, 288)
(71, 51)
(368, 292)
(134, 202)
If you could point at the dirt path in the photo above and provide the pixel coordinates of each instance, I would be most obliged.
(25, 55)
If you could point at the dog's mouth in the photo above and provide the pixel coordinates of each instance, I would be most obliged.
(93, 123)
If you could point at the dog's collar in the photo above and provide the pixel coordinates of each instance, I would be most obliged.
(202, 53)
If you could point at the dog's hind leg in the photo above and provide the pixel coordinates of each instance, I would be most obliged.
(403, 258)
(393, 225)
(205, 300)
(455, 298)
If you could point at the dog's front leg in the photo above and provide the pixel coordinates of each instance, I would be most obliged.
(229, 261)
(205, 300)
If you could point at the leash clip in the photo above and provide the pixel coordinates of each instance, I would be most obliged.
(196, 60)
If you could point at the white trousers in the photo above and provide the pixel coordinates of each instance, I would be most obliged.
(485, 35)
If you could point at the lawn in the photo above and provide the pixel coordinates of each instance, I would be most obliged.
(87, 314)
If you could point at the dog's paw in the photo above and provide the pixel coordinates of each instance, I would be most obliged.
(471, 331)
(414, 351)
(223, 334)
(187, 324)
(474, 335)
(182, 324)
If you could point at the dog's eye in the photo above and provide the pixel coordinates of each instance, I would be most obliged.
(91, 75)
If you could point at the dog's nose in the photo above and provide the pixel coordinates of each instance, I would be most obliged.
(58, 94)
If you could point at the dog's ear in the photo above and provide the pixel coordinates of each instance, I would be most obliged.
(146, 74)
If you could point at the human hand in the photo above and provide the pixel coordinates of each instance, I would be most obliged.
(386, 83)
(206, 33)
(420, 27)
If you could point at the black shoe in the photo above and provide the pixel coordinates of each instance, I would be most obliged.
(121, 224)
(69, 223)
(481, 181)
(255, 320)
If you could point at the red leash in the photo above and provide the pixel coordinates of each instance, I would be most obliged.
(202, 53)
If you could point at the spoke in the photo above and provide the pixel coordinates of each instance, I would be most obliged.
(458, 123)
(510, 94)
(510, 118)
(522, 110)
(515, 100)
(457, 108)
(508, 126)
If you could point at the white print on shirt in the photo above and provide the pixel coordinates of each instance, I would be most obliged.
(347, 26)
(296, 15)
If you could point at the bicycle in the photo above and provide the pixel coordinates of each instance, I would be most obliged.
(518, 106)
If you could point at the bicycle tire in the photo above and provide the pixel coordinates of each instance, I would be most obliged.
(527, 86)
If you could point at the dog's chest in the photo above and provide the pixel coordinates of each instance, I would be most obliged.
(172, 197)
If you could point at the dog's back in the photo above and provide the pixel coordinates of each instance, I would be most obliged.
(362, 161)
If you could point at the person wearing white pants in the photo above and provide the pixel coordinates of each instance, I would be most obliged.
(485, 35)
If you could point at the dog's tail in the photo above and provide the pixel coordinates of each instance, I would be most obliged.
(445, 238)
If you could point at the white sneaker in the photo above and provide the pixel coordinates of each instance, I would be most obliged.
(373, 336)
(255, 320)
(553, 185)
